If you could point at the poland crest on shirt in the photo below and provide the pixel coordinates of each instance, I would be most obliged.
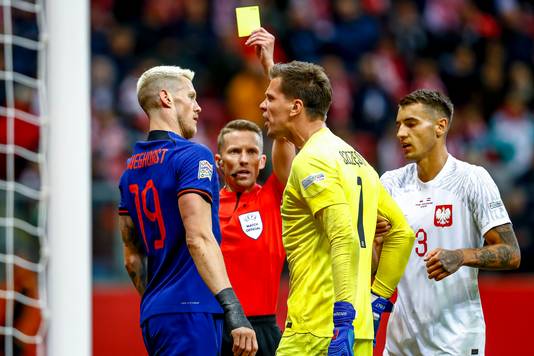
(443, 215)
(251, 224)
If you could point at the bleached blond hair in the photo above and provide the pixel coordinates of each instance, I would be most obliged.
(156, 78)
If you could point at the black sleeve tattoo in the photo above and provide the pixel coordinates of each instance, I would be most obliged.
(451, 260)
(503, 255)
(134, 257)
(138, 276)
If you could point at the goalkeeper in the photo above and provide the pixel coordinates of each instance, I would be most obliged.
(329, 215)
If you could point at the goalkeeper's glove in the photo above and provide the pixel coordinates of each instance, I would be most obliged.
(342, 343)
(234, 316)
(379, 305)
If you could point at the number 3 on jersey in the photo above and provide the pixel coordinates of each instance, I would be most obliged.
(422, 247)
(153, 216)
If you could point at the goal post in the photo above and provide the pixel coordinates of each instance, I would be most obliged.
(69, 177)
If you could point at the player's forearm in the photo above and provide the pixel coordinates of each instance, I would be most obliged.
(497, 257)
(267, 65)
(133, 254)
(136, 267)
(343, 247)
(394, 257)
(202, 246)
(501, 252)
(343, 262)
(396, 247)
(209, 261)
(282, 155)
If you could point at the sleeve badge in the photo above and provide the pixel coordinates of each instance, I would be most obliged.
(205, 170)
(313, 178)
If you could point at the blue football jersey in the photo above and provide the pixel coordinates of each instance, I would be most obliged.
(159, 171)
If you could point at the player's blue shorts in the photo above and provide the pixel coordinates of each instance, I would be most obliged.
(188, 334)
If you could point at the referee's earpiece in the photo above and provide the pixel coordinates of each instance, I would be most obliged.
(219, 163)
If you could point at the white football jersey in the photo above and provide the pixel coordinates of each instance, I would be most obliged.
(452, 211)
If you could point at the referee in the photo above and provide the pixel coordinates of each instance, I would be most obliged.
(249, 214)
(251, 226)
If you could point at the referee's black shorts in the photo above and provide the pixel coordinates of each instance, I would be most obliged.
(267, 333)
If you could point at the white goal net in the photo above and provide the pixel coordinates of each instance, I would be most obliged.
(23, 186)
(44, 178)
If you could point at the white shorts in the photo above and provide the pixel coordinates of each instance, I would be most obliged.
(403, 339)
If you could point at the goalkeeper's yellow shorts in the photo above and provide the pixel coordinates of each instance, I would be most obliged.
(307, 344)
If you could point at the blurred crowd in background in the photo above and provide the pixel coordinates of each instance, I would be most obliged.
(479, 52)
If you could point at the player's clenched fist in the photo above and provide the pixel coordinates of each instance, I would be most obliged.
(342, 343)
(244, 337)
(245, 342)
(441, 263)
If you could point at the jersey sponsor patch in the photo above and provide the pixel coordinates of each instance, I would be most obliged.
(312, 178)
(495, 204)
(251, 224)
(205, 170)
(443, 215)
(423, 203)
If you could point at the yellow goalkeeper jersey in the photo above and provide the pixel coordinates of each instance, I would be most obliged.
(325, 172)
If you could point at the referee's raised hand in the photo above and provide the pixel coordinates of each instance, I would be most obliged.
(263, 41)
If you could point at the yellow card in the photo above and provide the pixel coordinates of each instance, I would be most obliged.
(248, 20)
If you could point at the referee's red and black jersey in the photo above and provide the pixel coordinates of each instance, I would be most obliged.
(162, 169)
(252, 244)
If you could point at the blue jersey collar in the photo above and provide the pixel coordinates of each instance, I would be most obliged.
(156, 135)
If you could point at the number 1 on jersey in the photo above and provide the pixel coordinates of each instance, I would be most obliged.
(359, 220)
